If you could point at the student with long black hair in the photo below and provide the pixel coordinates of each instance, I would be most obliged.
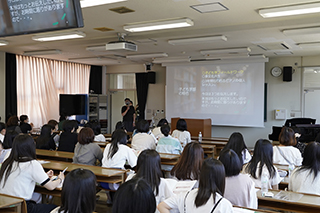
(262, 162)
(306, 178)
(21, 171)
(209, 196)
(149, 169)
(237, 144)
(45, 140)
(78, 192)
(181, 132)
(24, 124)
(134, 196)
(69, 137)
(117, 152)
(240, 189)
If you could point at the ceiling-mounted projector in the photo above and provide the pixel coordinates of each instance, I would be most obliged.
(121, 46)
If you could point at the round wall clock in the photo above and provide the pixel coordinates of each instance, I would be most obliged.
(276, 71)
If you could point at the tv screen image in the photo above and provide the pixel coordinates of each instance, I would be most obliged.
(30, 16)
(73, 104)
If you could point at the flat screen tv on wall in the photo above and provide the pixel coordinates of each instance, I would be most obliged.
(73, 104)
(18, 17)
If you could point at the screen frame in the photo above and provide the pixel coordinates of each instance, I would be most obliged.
(78, 16)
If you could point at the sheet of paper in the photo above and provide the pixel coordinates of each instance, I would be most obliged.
(183, 186)
(288, 196)
(43, 161)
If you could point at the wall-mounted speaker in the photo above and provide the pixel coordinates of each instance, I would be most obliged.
(151, 77)
(287, 74)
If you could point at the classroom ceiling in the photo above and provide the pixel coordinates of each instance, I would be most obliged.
(241, 24)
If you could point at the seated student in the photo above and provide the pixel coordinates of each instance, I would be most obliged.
(134, 196)
(237, 144)
(306, 179)
(143, 140)
(120, 125)
(54, 128)
(240, 189)
(85, 151)
(62, 119)
(168, 144)
(117, 153)
(21, 184)
(45, 140)
(96, 127)
(82, 183)
(68, 138)
(189, 164)
(13, 124)
(24, 124)
(181, 132)
(157, 131)
(261, 162)
(285, 153)
(207, 198)
(149, 169)
(2, 131)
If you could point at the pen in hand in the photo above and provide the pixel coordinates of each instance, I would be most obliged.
(57, 176)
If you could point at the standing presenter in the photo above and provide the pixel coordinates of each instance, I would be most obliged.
(128, 114)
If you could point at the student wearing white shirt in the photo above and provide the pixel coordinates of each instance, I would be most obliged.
(209, 196)
(82, 183)
(96, 127)
(149, 169)
(117, 152)
(306, 179)
(181, 132)
(237, 144)
(2, 131)
(21, 171)
(134, 196)
(262, 162)
(285, 153)
(157, 131)
(143, 140)
(240, 189)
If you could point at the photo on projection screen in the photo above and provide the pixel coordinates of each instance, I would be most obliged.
(229, 94)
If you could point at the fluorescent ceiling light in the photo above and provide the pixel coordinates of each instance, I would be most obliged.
(3, 43)
(42, 52)
(151, 55)
(290, 10)
(59, 36)
(100, 48)
(159, 25)
(231, 51)
(241, 56)
(91, 3)
(283, 52)
(302, 31)
(309, 45)
(171, 60)
(196, 40)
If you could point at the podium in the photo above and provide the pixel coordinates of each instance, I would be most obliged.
(195, 126)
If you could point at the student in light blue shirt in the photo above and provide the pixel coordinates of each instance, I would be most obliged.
(168, 144)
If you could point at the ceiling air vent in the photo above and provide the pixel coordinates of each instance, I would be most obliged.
(121, 10)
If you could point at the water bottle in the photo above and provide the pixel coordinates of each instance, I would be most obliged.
(290, 169)
(200, 137)
(264, 183)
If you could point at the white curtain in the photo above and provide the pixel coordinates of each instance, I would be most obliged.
(39, 83)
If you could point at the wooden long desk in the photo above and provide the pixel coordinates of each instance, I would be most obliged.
(167, 159)
(107, 175)
(303, 202)
(9, 203)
